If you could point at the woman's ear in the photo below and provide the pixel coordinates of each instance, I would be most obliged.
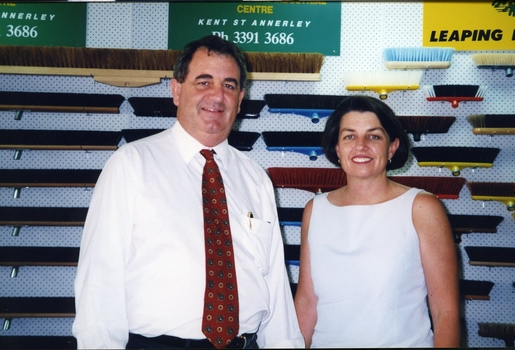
(394, 145)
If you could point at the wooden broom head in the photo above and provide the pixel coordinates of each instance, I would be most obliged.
(100, 58)
(142, 59)
(276, 62)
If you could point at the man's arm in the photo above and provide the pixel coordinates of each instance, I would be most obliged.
(101, 320)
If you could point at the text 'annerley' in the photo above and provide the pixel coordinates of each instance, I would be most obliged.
(254, 23)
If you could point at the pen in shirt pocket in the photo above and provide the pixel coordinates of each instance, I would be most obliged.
(250, 216)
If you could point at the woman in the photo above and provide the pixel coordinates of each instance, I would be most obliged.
(373, 252)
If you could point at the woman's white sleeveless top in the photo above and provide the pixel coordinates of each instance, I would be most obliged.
(368, 276)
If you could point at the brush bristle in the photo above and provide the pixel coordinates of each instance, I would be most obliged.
(497, 189)
(494, 59)
(310, 179)
(138, 59)
(276, 62)
(492, 120)
(497, 328)
(300, 101)
(455, 90)
(455, 154)
(383, 78)
(442, 187)
(418, 54)
(426, 124)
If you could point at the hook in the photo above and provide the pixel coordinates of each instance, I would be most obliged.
(18, 114)
(7, 324)
(16, 192)
(16, 231)
(17, 154)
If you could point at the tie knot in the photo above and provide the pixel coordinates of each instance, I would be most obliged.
(207, 153)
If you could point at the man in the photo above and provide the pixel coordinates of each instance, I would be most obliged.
(143, 260)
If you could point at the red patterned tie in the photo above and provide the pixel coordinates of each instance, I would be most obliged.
(220, 320)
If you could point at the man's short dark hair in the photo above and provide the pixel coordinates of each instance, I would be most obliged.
(212, 43)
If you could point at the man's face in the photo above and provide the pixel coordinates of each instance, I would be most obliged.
(209, 98)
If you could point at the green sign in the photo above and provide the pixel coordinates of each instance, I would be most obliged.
(43, 24)
(296, 26)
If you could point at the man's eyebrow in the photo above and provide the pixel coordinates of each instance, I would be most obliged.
(209, 76)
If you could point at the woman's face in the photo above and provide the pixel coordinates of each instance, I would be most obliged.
(364, 147)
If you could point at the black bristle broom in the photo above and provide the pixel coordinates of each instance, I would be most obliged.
(475, 290)
(60, 102)
(456, 158)
(311, 106)
(462, 224)
(491, 256)
(492, 124)
(418, 125)
(455, 93)
(502, 331)
(305, 142)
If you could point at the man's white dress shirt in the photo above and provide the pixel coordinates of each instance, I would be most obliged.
(142, 260)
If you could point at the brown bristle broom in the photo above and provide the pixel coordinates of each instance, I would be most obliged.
(138, 67)
(315, 180)
(455, 93)
(418, 125)
(503, 192)
(455, 158)
(318, 180)
(492, 124)
(503, 331)
(505, 61)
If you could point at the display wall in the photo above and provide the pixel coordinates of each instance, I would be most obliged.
(367, 28)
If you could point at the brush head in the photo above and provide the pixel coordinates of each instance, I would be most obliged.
(456, 154)
(418, 125)
(492, 120)
(302, 101)
(418, 57)
(505, 61)
(315, 180)
(383, 82)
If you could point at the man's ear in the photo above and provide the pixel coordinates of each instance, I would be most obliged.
(175, 86)
(242, 94)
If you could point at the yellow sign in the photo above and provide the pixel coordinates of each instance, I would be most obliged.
(478, 25)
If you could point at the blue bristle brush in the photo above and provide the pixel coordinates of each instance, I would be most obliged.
(418, 57)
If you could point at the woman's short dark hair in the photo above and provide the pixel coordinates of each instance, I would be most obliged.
(212, 43)
(386, 117)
